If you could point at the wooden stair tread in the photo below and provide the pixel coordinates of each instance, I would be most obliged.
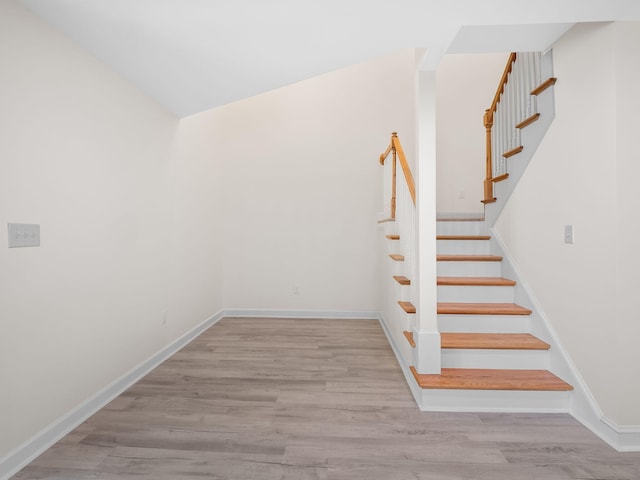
(393, 237)
(402, 280)
(491, 379)
(476, 281)
(385, 220)
(528, 121)
(497, 341)
(500, 178)
(407, 307)
(463, 237)
(453, 308)
(544, 85)
(397, 257)
(459, 219)
(409, 337)
(468, 258)
(513, 151)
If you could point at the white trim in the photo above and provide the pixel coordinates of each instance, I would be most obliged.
(317, 314)
(627, 438)
(427, 356)
(22, 455)
(583, 406)
(416, 391)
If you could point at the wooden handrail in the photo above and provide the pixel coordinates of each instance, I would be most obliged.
(503, 81)
(405, 166)
(395, 147)
(488, 125)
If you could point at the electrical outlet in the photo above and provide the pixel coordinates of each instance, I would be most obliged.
(568, 234)
(296, 289)
(24, 235)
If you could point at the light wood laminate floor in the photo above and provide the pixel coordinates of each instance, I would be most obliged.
(311, 399)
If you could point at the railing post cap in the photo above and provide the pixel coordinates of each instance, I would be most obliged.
(394, 134)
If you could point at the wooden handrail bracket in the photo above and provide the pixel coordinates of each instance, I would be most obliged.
(384, 156)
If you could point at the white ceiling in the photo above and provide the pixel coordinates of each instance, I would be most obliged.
(192, 55)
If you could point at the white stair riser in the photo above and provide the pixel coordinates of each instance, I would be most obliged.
(393, 246)
(456, 293)
(403, 292)
(484, 323)
(397, 267)
(493, 401)
(466, 247)
(469, 269)
(407, 323)
(512, 359)
(461, 228)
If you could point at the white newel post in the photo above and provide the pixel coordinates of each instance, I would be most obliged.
(427, 357)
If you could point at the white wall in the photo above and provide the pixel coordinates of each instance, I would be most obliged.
(197, 232)
(150, 225)
(90, 159)
(627, 52)
(303, 186)
(584, 174)
(466, 84)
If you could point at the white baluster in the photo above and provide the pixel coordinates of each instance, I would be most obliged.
(532, 110)
(519, 97)
(497, 121)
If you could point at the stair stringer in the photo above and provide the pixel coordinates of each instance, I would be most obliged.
(582, 405)
(531, 137)
(393, 319)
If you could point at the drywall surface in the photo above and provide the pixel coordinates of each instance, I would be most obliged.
(86, 156)
(466, 85)
(582, 175)
(302, 186)
(627, 52)
(197, 231)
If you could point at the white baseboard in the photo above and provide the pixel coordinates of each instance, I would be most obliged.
(317, 314)
(623, 439)
(19, 457)
(411, 382)
(626, 439)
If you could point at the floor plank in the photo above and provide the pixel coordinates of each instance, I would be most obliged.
(311, 399)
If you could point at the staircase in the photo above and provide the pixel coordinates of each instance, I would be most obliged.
(490, 359)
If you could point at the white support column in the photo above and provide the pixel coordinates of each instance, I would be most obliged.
(426, 335)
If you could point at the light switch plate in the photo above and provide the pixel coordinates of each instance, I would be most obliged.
(24, 235)
(568, 234)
